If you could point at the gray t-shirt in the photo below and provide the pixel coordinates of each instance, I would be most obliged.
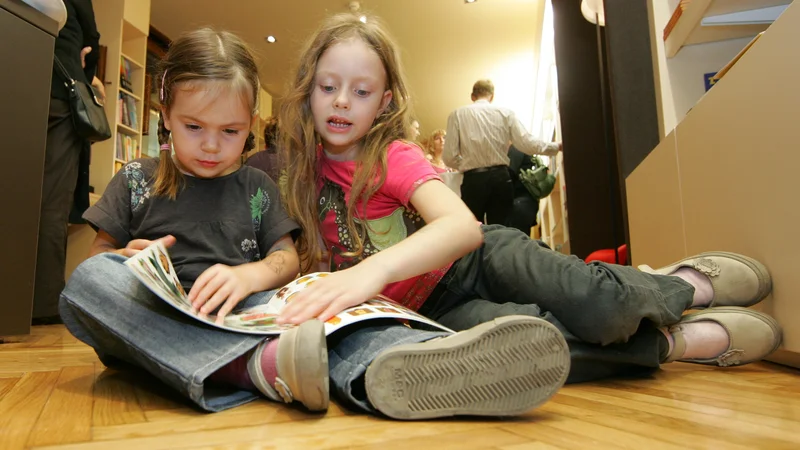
(232, 220)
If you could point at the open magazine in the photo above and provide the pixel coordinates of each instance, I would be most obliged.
(153, 267)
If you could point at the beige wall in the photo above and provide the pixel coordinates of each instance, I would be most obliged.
(727, 178)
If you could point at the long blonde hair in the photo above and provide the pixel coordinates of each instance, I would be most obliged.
(298, 138)
(202, 55)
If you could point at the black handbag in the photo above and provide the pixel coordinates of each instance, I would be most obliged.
(86, 106)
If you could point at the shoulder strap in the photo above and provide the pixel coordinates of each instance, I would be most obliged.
(68, 80)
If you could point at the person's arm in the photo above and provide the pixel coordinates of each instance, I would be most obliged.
(451, 154)
(91, 37)
(227, 286)
(105, 243)
(526, 143)
(450, 233)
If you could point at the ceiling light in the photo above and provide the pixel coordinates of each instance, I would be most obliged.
(470, 1)
(271, 39)
(363, 19)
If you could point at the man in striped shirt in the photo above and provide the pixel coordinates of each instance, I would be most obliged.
(478, 137)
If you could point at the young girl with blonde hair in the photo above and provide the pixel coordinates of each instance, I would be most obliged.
(375, 213)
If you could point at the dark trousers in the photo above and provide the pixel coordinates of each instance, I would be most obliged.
(488, 192)
(609, 314)
(62, 154)
(523, 213)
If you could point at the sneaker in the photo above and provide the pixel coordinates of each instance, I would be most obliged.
(737, 280)
(302, 367)
(753, 335)
(500, 368)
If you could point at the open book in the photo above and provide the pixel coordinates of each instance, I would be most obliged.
(153, 267)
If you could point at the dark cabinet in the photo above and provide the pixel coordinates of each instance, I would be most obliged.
(27, 38)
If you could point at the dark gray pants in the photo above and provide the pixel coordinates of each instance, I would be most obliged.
(62, 154)
(609, 314)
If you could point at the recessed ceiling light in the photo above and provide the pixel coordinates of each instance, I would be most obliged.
(271, 39)
(363, 19)
(470, 1)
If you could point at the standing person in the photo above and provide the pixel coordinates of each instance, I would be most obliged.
(477, 145)
(375, 213)
(268, 160)
(414, 131)
(66, 154)
(434, 149)
(232, 241)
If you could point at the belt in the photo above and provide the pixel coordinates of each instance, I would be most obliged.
(485, 169)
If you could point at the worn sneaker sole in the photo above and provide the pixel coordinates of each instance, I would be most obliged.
(500, 368)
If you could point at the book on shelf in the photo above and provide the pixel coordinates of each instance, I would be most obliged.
(128, 111)
(153, 267)
(127, 148)
(125, 74)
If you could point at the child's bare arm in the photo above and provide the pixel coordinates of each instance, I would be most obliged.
(104, 242)
(450, 233)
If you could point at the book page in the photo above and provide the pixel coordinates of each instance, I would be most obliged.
(153, 267)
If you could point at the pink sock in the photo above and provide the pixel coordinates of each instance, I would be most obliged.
(269, 361)
(235, 372)
(703, 291)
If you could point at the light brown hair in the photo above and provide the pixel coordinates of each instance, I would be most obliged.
(198, 56)
(431, 141)
(298, 138)
(482, 89)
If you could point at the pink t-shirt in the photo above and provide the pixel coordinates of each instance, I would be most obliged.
(389, 215)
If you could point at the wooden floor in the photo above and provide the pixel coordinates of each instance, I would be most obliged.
(54, 393)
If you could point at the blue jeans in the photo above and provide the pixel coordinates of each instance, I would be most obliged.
(106, 307)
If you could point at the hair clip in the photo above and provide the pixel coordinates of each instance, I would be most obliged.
(161, 96)
(166, 147)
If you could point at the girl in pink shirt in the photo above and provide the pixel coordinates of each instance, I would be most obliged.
(376, 214)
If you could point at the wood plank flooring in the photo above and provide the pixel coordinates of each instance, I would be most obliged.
(55, 394)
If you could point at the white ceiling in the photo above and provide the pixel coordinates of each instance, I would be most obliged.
(446, 44)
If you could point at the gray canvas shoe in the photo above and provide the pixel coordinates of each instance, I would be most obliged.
(753, 335)
(500, 368)
(737, 280)
(302, 365)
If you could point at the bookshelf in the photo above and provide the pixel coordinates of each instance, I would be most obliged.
(123, 26)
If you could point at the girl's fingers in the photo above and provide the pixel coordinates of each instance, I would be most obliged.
(332, 310)
(218, 296)
(228, 306)
(205, 294)
(200, 283)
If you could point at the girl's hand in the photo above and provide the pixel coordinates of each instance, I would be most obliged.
(331, 295)
(137, 245)
(217, 285)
